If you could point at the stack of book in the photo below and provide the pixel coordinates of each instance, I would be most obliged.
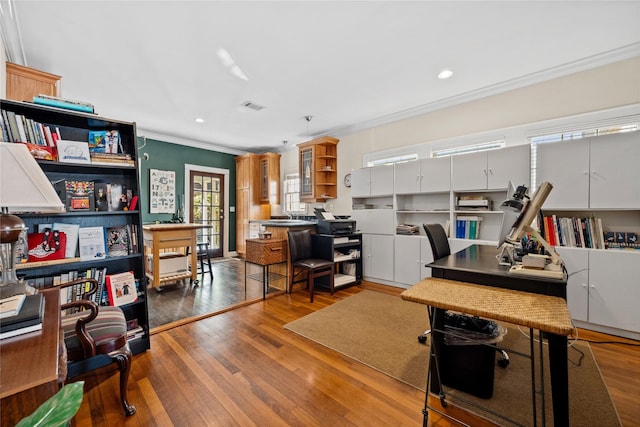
(67, 104)
(21, 314)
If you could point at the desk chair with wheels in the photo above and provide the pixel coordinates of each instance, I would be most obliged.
(96, 337)
(302, 259)
(440, 249)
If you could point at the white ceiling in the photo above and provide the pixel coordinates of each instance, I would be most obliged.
(350, 65)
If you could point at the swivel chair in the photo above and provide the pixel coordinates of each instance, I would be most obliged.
(95, 336)
(440, 249)
(302, 259)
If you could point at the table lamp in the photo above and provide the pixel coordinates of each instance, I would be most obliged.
(23, 188)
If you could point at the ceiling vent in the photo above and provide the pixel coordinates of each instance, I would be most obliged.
(252, 106)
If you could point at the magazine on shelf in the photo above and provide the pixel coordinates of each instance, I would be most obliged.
(122, 288)
(92, 243)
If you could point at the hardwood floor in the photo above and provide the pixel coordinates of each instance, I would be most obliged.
(243, 368)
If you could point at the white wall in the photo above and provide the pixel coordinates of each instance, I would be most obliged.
(602, 88)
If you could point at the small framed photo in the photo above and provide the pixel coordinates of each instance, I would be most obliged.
(73, 151)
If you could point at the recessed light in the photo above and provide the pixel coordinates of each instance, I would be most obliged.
(199, 120)
(445, 74)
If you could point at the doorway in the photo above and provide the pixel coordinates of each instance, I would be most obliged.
(206, 191)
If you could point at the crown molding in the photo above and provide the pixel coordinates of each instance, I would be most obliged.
(150, 134)
(584, 64)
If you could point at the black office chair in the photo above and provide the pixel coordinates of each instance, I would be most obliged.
(440, 248)
(302, 258)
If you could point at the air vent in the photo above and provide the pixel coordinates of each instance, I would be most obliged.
(252, 105)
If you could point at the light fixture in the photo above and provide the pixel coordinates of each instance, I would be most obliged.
(445, 74)
(23, 188)
(199, 120)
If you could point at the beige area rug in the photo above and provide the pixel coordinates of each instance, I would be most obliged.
(381, 331)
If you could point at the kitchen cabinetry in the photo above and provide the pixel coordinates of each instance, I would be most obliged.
(248, 198)
(600, 290)
(411, 255)
(593, 173)
(423, 176)
(318, 168)
(346, 253)
(23, 83)
(490, 170)
(270, 178)
(76, 126)
(372, 182)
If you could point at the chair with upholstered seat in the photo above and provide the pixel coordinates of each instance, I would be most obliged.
(95, 336)
(303, 259)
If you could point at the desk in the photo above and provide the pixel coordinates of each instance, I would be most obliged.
(29, 365)
(478, 264)
(170, 236)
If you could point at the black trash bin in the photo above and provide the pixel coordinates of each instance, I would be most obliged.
(465, 364)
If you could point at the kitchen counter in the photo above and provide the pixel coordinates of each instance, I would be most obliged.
(285, 223)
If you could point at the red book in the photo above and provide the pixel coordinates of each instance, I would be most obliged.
(133, 203)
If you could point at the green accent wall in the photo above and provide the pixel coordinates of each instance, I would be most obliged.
(172, 157)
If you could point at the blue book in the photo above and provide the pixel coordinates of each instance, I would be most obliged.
(62, 104)
(460, 228)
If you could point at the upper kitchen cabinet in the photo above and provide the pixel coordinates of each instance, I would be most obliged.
(491, 170)
(270, 178)
(318, 168)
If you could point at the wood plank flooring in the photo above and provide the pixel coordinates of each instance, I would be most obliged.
(242, 368)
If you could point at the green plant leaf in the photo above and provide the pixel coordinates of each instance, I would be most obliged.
(58, 410)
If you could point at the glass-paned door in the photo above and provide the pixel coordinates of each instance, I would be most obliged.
(207, 208)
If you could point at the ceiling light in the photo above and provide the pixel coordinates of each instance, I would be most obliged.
(199, 120)
(445, 74)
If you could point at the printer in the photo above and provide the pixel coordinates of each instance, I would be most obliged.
(328, 224)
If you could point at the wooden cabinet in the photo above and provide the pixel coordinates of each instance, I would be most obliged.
(490, 170)
(593, 173)
(373, 181)
(423, 176)
(270, 178)
(249, 205)
(76, 126)
(23, 83)
(318, 168)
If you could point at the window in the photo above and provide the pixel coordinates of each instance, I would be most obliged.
(484, 146)
(392, 160)
(568, 136)
(292, 202)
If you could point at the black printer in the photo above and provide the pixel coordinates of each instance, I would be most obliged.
(327, 224)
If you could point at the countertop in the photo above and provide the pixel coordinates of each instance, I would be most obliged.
(284, 222)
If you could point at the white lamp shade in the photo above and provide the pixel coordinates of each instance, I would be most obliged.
(23, 185)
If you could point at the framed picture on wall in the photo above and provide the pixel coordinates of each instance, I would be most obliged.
(162, 191)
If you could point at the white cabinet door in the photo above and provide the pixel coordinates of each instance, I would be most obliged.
(576, 262)
(407, 177)
(407, 260)
(381, 180)
(566, 166)
(426, 257)
(361, 182)
(613, 289)
(508, 164)
(378, 256)
(435, 175)
(615, 171)
(469, 172)
(374, 221)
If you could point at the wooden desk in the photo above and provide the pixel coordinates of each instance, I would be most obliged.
(478, 264)
(29, 365)
(159, 237)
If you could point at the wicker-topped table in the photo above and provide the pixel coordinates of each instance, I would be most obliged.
(265, 252)
(545, 313)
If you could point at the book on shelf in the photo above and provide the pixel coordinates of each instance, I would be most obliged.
(11, 306)
(122, 288)
(92, 243)
(67, 104)
(29, 318)
(118, 241)
(70, 151)
(71, 232)
(46, 246)
(468, 227)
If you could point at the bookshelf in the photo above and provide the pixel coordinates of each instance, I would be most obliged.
(76, 126)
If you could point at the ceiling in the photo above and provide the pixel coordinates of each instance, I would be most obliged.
(348, 65)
